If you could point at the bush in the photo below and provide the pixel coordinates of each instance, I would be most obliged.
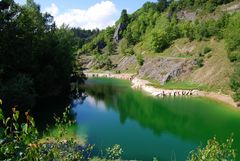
(234, 56)
(114, 153)
(160, 41)
(235, 83)
(130, 51)
(199, 61)
(123, 45)
(207, 50)
(22, 141)
(103, 62)
(204, 51)
(232, 33)
(214, 151)
(140, 59)
(15, 138)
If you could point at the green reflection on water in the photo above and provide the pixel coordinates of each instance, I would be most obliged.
(191, 120)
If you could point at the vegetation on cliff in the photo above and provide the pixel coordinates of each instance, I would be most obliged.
(156, 26)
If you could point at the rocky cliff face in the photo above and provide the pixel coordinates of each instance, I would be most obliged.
(186, 15)
(164, 69)
(161, 69)
(117, 37)
(127, 63)
(86, 62)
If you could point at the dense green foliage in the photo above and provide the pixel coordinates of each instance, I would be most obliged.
(235, 83)
(156, 25)
(101, 41)
(34, 54)
(232, 37)
(83, 36)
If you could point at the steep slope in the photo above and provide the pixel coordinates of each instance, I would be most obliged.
(177, 44)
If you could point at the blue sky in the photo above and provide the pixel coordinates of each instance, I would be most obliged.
(87, 14)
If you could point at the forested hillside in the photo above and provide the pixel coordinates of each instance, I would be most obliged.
(201, 36)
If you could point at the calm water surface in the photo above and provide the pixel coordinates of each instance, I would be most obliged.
(148, 127)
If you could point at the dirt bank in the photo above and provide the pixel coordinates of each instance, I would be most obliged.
(144, 85)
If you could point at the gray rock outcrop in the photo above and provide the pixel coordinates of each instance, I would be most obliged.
(186, 15)
(127, 63)
(163, 69)
(117, 37)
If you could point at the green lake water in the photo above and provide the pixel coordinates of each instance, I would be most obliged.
(147, 127)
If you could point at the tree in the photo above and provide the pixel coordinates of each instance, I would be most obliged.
(124, 17)
(160, 41)
(162, 5)
(232, 33)
(34, 54)
(235, 83)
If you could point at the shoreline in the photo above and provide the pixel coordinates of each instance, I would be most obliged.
(142, 84)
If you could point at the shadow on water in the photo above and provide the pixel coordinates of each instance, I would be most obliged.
(46, 108)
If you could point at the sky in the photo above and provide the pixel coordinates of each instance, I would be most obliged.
(87, 14)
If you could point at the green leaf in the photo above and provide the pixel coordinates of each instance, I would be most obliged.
(16, 126)
(7, 120)
(1, 115)
(32, 121)
(16, 115)
(0, 102)
(6, 131)
(25, 128)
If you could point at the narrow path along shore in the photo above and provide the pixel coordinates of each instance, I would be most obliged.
(144, 85)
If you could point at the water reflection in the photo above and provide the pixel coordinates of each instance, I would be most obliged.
(145, 126)
(187, 117)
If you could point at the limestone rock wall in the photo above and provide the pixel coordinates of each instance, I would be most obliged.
(163, 69)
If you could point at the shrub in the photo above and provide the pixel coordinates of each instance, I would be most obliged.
(234, 56)
(140, 59)
(123, 45)
(160, 41)
(207, 50)
(199, 61)
(114, 153)
(235, 83)
(130, 51)
(21, 141)
(232, 33)
(15, 138)
(204, 51)
(214, 151)
(103, 62)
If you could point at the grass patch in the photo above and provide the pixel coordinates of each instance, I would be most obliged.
(179, 85)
